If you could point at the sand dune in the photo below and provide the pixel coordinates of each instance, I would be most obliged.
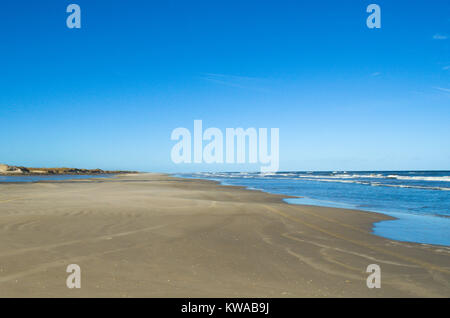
(151, 235)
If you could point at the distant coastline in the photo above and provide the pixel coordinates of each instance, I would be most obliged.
(6, 170)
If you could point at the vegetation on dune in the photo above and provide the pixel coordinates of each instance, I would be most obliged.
(15, 170)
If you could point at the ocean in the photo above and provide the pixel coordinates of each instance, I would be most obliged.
(420, 200)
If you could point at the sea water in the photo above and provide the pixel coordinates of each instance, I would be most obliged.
(33, 178)
(420, 200)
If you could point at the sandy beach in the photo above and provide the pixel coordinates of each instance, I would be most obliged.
(152, 235)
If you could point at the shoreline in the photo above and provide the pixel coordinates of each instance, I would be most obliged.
(154, 235)
(383, 216)
(283, 197)
(405, 219)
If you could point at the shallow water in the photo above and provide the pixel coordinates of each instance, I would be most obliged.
(50, 178)
(419, 199)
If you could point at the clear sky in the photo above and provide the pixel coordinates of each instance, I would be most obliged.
(108, 95)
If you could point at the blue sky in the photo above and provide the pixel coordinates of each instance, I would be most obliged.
(108, 95)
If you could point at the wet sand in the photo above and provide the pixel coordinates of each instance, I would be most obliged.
(151, 235)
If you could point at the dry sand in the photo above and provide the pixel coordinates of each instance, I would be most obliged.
(151, 235)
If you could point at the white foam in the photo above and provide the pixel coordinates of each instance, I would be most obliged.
(378, 184)
(418, 178)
